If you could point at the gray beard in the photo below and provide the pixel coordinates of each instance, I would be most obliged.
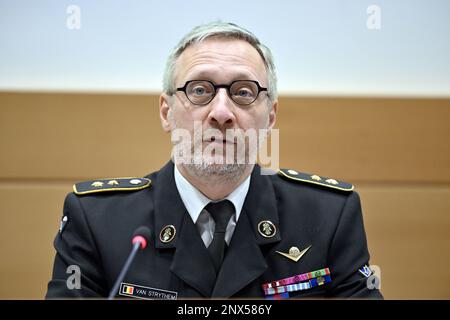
(213, 173)
(216, 173)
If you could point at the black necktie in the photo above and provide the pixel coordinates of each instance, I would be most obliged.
(221, 212)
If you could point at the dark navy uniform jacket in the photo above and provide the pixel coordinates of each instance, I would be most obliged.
(326, 216)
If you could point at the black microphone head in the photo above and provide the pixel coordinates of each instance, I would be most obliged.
(142, 231)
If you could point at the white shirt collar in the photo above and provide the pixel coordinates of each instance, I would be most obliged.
(195, 201)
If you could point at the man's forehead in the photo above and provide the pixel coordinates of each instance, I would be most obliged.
(221, 57)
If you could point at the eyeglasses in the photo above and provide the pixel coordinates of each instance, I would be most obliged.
(202, 92)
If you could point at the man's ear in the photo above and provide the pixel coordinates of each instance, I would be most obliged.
(164, 110)
(273, 114)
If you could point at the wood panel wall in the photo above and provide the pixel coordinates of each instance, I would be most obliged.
(396, 152)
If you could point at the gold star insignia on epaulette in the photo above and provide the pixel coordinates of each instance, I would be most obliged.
(97, 184)
(111, 185)
(316, 179)
(332, 181)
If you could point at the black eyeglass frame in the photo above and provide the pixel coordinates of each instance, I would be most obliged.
(218, 86)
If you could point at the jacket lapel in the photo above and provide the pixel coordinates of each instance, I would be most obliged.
(244, 261)
(191, 261)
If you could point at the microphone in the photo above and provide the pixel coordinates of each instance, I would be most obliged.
(140, 238)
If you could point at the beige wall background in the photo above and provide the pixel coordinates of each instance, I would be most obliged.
(395, 150)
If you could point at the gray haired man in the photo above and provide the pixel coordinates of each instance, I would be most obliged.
(219, 228)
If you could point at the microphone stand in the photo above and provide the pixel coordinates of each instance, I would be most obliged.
(122, 274)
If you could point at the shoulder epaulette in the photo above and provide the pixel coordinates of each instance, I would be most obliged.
(315, 179)
(108, 185)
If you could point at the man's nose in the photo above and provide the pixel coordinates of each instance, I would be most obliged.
(222, 107)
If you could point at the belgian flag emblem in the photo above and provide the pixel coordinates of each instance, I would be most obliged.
(128, 289)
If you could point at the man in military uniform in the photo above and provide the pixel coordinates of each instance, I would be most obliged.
(217, 229)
